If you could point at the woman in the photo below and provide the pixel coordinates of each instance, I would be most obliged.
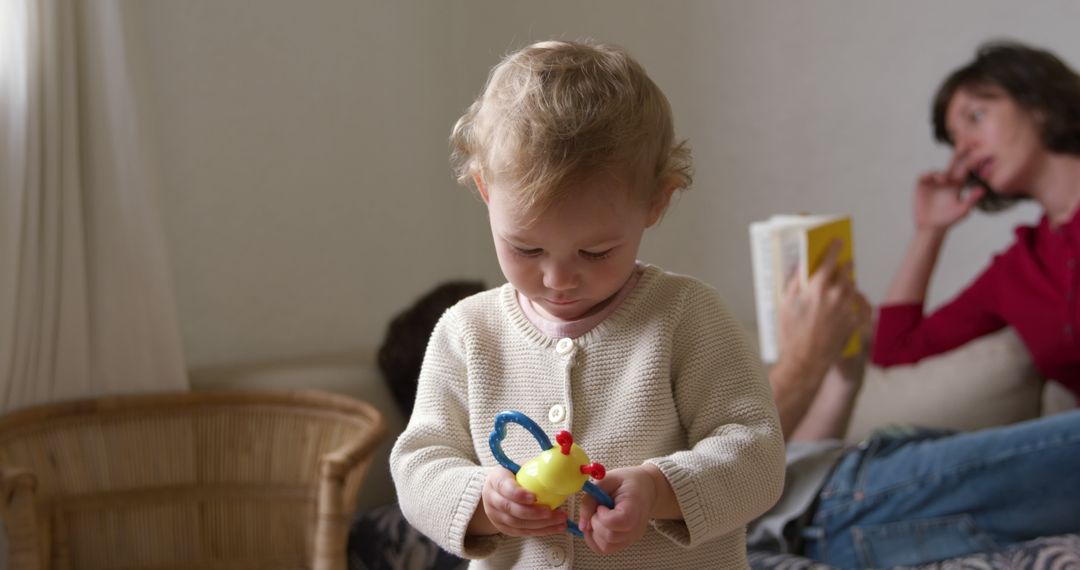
(1012, 117)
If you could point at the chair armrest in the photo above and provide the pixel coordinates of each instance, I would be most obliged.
(343, 460)
(334, 508)
(18, 491)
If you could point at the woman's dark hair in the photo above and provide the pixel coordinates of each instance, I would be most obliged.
(1036, 80)
(403, 347)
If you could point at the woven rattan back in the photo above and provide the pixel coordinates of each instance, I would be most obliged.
(193, 480)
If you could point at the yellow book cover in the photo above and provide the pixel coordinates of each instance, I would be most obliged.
(785, 246)
(817, 240)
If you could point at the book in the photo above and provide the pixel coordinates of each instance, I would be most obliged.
(791, 246)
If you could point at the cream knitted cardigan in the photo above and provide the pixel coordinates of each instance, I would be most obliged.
(667, 379)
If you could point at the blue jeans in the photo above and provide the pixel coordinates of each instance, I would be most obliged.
(909, 498)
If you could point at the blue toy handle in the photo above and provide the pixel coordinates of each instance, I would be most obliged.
(499, 433)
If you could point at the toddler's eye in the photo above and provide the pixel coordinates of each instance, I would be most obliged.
(528, 252)
(596, 255)
(976, 115)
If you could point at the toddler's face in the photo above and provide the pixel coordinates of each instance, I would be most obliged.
(573, 258)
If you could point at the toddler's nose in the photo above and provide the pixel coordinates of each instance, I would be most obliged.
(560, 277)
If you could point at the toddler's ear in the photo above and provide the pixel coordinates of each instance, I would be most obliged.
(660, 202)
(479, 181)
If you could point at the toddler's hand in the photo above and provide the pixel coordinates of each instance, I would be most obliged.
(513, 510)
(608, 531)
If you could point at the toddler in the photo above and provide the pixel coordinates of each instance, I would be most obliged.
(571, 146)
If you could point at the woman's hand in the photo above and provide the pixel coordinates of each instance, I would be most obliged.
(940, 200)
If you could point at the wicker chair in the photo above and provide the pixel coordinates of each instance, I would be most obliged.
(190, 480)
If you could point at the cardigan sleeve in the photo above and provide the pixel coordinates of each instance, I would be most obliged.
(435, 469)
(904, 335)
(733, 468)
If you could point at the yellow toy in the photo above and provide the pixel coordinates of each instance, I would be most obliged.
(558, 472)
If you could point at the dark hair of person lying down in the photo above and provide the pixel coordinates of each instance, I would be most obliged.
(402, 351)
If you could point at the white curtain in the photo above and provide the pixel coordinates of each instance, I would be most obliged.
(86, 303)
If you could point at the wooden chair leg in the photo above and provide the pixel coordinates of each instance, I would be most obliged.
(17, 493)
(331, 525)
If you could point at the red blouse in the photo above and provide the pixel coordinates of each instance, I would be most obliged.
(1031, 287)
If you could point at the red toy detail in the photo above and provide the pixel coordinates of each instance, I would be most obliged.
(565, 440)
(596, 471)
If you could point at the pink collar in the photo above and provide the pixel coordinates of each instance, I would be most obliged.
(576, 328)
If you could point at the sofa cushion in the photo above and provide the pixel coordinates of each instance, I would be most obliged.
(1057, 399)
(987, 382)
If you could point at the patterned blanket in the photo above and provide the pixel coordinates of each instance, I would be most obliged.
(1048, 553)
(381, 539)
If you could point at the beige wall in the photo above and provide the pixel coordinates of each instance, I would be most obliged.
(304, 158)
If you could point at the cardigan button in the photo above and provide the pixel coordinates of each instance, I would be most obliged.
(565, 346)
(557, 413)
(557, 556)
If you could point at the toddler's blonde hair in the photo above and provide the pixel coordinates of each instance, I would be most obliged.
(556, 113)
